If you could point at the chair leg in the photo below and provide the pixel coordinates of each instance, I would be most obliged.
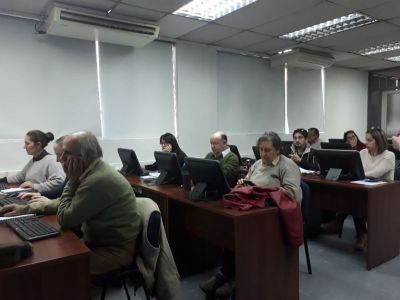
(103, 292)
(126, 290)
(307, 256)
(341, 228)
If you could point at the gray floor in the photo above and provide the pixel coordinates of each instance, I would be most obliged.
(338, 273)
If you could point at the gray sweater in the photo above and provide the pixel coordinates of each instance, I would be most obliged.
(45, 174)
(284, 174)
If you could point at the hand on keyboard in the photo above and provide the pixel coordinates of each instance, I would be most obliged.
(10, 210)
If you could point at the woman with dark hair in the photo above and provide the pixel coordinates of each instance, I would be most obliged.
(169, 143)
(42, 173)
(378, 162)
(351, 138)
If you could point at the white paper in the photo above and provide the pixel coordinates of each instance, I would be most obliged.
(305, 171)
(152, 175)
(368, 183)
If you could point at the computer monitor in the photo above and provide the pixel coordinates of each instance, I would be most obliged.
(169, 167)
(349, 161)
(235, 150)
(337, 146)
(208, 179)
(336, 141)
(256, 152)
(130, 162)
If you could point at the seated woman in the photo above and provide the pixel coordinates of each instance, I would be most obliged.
(351, 138)
(272, 169)
(301, 151)
(43, 173)
(168, 144)
(378, 163)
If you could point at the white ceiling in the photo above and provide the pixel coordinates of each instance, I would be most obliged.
(257, 27)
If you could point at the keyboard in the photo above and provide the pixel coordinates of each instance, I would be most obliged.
(4, 186)
(32, 228)
(12, 200)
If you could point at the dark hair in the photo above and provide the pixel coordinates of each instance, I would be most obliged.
(169, 138)
(39, 137)
(302, 131)
(352, 131)
(315, 130)
(380, 139)
(273, 137)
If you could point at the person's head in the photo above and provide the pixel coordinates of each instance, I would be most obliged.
(352, 138)
(300, 138)
(58, 147)
(375, 141)
(218, 142)
(82, 145)
(36, 141)
(168, 140)
(312, 135)
(269, 145)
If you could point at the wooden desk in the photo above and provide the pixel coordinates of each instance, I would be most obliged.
(379, 204)
(58, 268)
(266, 268)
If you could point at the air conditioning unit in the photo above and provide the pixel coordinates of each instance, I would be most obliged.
(303, 58)
(82, 25)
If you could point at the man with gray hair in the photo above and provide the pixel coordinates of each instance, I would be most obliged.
(99, 198)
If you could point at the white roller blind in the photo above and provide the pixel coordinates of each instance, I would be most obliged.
(251, 95)
(47, 83)
(137, 90)
(305, 109)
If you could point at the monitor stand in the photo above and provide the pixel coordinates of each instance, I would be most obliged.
(161, 178)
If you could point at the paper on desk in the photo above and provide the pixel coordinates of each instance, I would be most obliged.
(15, 190)
(305, 171)
(151, 175)
(3, 219)
(368, 183)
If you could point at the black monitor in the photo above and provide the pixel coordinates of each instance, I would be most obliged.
(130, 162)
(235, 150)
(208, 179)
(336, 141)
(169, 167)
(256, 152)
(349, 161)
(337, 146)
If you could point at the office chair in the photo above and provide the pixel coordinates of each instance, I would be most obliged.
(131, 272)
(397, 170)
(305, 211)
(235, 150)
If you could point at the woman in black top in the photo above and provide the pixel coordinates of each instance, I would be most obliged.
(169, 143)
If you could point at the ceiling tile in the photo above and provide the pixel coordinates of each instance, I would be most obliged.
(210, 34)
(102, 5)
(271, 46)
(159, 5)
(307, 17)
(263, 11)
(379, 65)
(24, 6)
(175, 26)
(386, 54)
(242, 40)
(359, 4)
(385, 11)
(137, 13)
(395, 21)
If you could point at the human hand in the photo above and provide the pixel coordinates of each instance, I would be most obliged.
(167, 148)
(39, 198)
(296, 158)
(26, 184)
(27, 195)
(240, 182)
(75, 167)
(11, 210)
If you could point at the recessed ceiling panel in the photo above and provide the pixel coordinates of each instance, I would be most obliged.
(242, 40)
(271, 46)
(138, 12)
(359, 4)
(385, 11)
(210, 33)
(175, 26)
(24, 6)
(160, 5)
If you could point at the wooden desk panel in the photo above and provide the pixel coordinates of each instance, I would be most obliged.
(58, 268)
(379, 204)
(266, 267)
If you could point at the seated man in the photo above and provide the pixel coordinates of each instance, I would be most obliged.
(313, 138)
(99, 198)
(229, 161)
(300, 151)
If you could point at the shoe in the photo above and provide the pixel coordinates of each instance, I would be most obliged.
(333, 227)
(361, 243)
(211, 285)
(225, 291)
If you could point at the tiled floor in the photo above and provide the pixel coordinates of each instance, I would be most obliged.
(338, 273)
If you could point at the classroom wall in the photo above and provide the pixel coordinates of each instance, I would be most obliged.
(51, 83)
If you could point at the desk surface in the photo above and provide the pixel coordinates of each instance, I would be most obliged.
(58, 268)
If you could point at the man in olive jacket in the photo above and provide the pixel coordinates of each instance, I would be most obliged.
(97, 197)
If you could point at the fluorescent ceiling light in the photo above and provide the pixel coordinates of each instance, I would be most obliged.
(285, 51)
(380, 49)
(210, 10)
(329, 27)
(394, 58)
